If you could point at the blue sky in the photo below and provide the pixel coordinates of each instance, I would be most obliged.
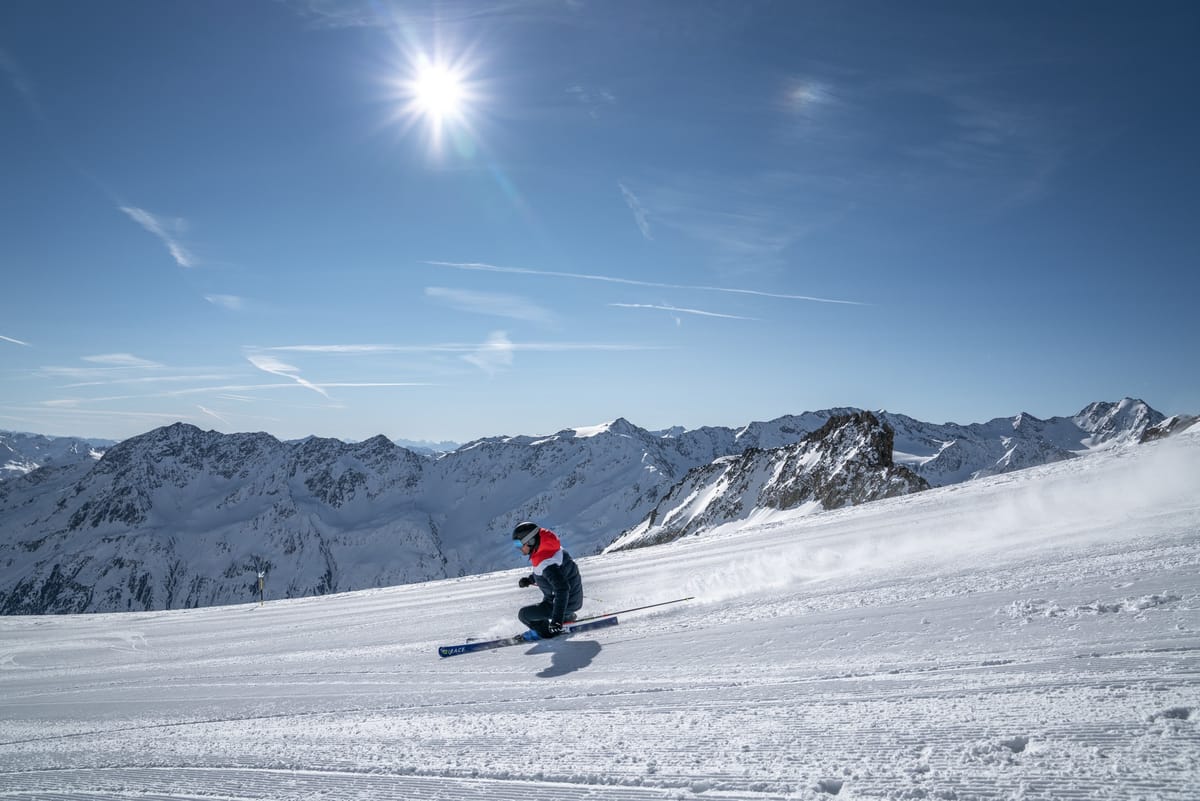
(449, 220)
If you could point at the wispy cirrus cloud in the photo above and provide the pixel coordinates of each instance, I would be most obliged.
(269, 364)
(493, 355)
(479, 266)
(139, 378)
(231, 302)
(463, 347)
(808, 96)
(223, 391)
(747, 222)
(166, 230)
(984, 136)
(146, 380)
(337, 14)
(20, 82)
(975, 135)
(121, 360)
(592, 99)
(676, 309)
(211, 413)
(490, 303)
(74, 409)
(639, 211)
(498, 352)
(108, 368)
(15, 341)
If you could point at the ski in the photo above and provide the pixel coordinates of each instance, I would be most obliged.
(524, 637)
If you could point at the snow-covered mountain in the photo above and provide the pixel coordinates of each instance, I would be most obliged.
(23, 453)
(427, 447)
(1172, 425)
(180, 517)
(950, 453)
(846, 462)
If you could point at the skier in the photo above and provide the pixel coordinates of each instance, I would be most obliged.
(555, 574)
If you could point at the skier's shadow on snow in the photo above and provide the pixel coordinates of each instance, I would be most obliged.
(566, 657)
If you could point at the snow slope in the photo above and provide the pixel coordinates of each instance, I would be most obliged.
(1034, 635)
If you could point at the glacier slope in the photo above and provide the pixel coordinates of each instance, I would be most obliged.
(1034, 635)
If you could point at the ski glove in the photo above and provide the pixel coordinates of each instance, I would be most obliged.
(526, 581)
(554, 629)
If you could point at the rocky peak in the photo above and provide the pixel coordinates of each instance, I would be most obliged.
(1026, 421)
(1169, 427)
(848, 460)
(623, 428)
(1127, 419)
(857, 430)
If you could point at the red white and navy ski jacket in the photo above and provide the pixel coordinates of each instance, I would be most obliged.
(557, 576)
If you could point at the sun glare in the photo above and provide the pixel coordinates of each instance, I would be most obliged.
(438, 92)
(441, 95)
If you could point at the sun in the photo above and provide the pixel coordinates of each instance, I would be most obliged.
(442, 95)
(439, 93)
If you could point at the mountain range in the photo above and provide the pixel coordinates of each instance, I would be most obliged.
(24, 453)
(180, 517)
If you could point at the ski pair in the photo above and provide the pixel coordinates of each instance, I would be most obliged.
(524, 637)
(583, 624)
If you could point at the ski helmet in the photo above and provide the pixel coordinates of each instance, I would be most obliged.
(527, 533)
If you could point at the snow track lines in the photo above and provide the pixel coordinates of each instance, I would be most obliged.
(240, 784)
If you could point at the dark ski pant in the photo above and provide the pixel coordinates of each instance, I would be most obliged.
(537, 617)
